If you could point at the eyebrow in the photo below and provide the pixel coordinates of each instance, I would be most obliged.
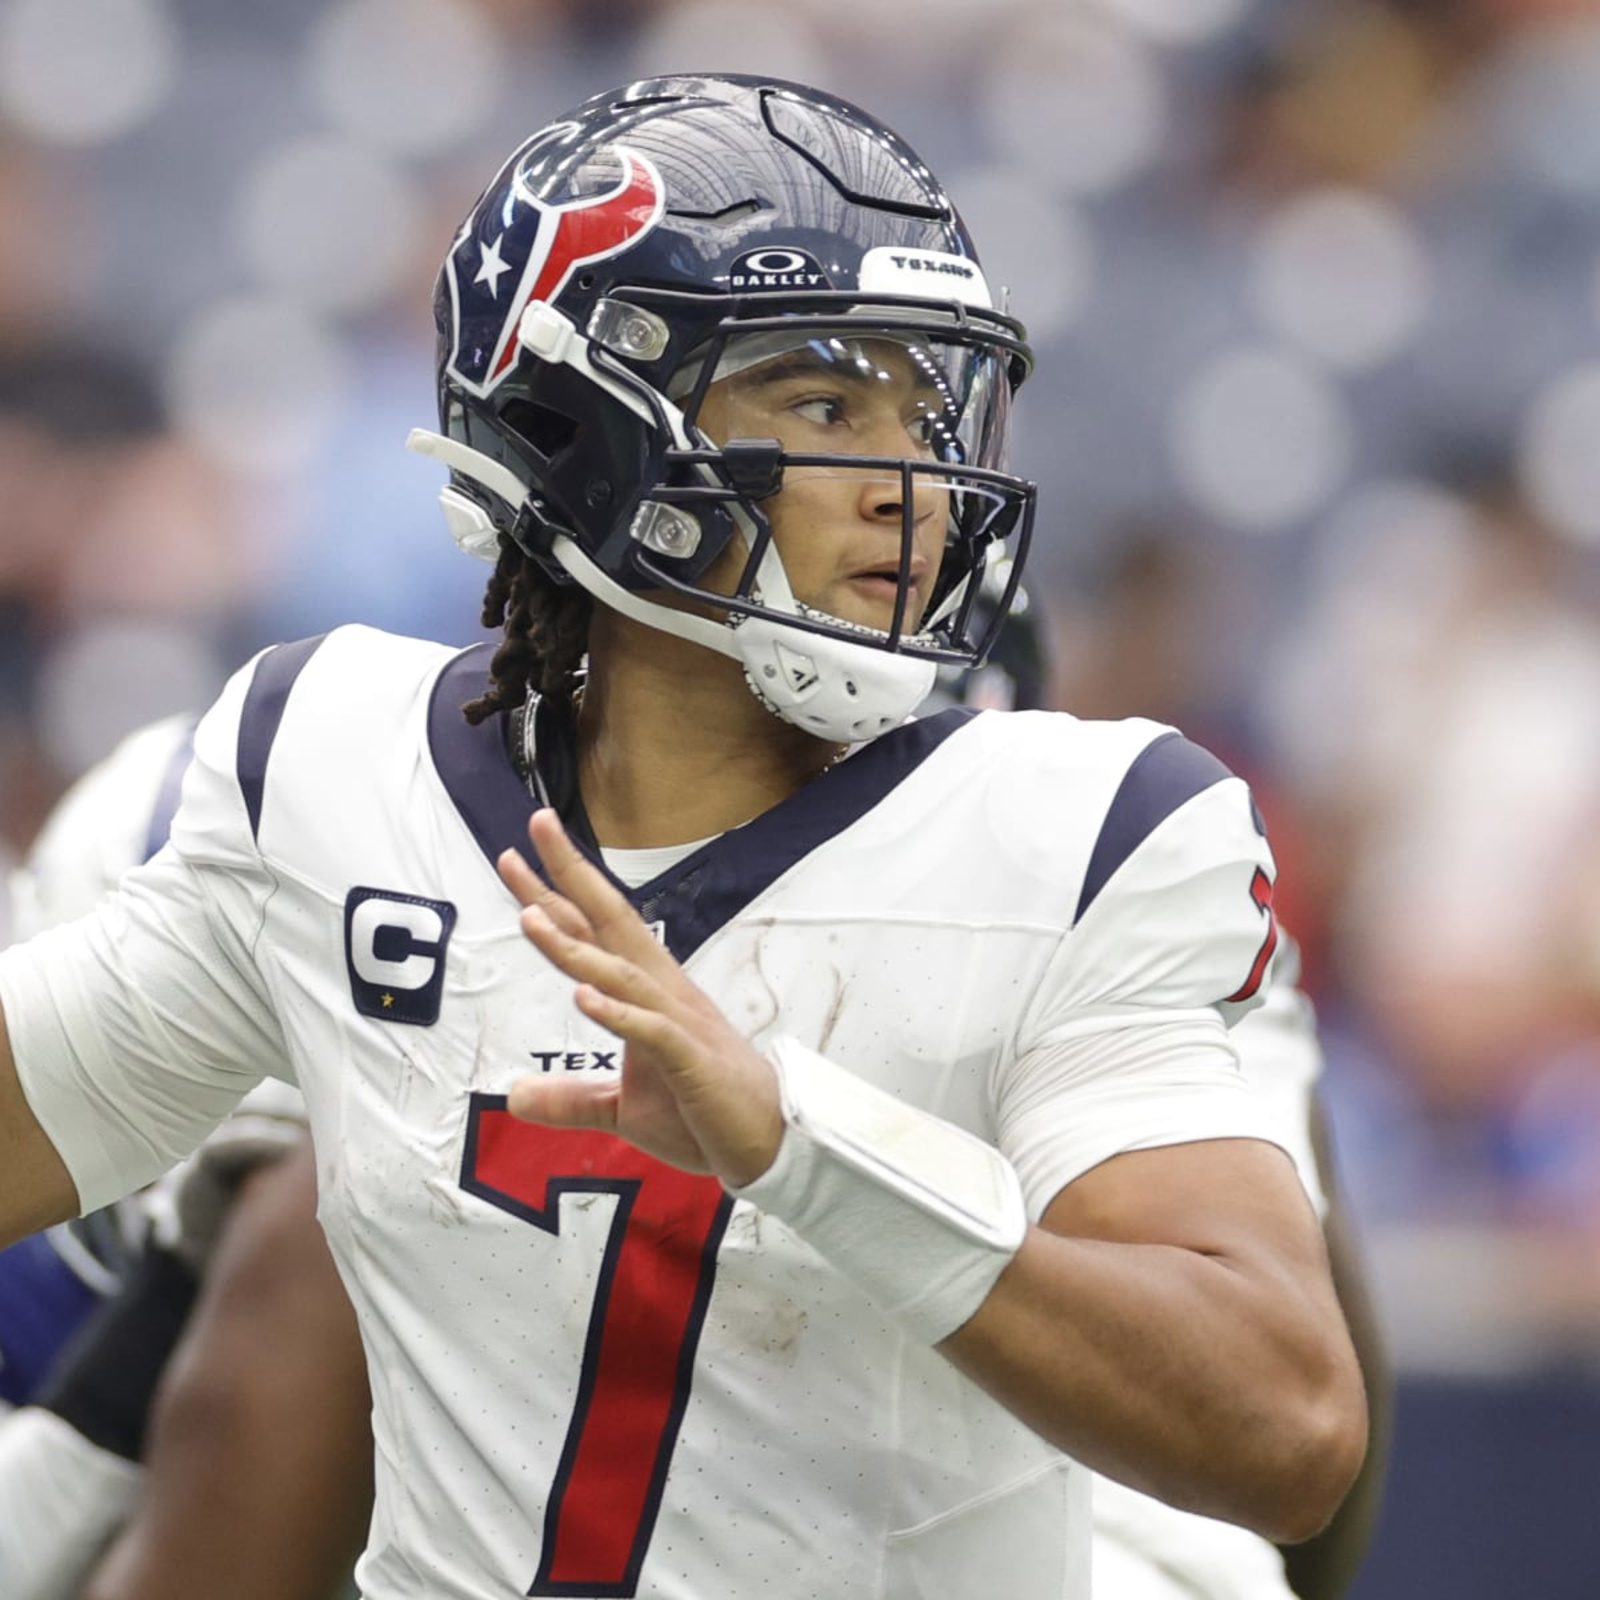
(801, 365)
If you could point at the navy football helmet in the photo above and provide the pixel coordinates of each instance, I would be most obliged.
(663, 238)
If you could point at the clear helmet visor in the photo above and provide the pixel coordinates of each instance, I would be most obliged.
(893, 442)
(887, 393)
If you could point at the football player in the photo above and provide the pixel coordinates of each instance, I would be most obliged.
(92, 1311)
(256, 1476)
(842, 1151)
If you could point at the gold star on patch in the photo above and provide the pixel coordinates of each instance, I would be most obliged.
(388, 1000)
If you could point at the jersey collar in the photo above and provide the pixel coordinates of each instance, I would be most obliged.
(700, 894)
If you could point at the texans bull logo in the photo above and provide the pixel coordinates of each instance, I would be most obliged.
(551, 241)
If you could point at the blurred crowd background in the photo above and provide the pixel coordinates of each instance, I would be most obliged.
(1315, 290)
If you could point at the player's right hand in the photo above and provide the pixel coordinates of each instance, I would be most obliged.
(694, 1091)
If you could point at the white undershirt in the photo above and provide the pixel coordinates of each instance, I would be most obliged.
(635, 867)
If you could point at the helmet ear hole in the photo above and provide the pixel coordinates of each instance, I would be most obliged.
(549, 432)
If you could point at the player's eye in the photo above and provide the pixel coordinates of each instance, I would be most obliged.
(825, 410)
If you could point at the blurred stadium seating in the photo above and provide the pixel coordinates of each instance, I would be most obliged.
(1315, 286)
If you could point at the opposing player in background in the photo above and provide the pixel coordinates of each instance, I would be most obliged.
(869, 1078)
(215, 1282)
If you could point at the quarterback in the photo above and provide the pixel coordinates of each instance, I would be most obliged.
(842, 1151)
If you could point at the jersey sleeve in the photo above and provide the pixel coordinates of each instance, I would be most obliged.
(1126, 1043)
(1175, 913)
(1282, 1059)
(138, 1027)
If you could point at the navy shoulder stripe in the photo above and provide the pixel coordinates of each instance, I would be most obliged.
(169, 794)
(471, 758)
(1162, 777)
(264, 704)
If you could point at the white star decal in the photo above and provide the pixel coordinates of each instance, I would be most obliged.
(492, 266)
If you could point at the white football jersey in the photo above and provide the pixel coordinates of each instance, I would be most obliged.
(1144, 1549)
(594, 1375)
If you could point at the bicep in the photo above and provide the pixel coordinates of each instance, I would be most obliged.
(36, 1189)
(1235, 1200)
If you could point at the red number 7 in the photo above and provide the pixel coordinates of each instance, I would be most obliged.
(638, 1358)
(1261, 893)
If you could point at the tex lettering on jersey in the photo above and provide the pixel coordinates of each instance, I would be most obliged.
(394, 952)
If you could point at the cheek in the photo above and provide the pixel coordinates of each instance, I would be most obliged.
(933, 534)
(723, 573)
(803, 508)
(799, 516)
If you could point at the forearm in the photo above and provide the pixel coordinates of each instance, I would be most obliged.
(1171, 1322)
(1216, 1389)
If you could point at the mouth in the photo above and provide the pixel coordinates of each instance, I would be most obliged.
(875, 592)
(878, 585)
(881, 582)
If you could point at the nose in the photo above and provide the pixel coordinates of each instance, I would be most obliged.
(882, 497)
(883, 492)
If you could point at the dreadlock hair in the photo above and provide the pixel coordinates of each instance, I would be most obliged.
(545, 632)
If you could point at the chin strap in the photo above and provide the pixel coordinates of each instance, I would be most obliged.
(838, 690)
(830, 687)
(470, 525)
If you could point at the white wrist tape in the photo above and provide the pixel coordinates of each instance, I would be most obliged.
(63, 1497)
(917, 1213)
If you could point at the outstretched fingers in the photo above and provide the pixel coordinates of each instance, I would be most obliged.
(692, 1091)
(562, 1103)
(587, 962)
(611, 989)
(635, 1022)
(586, 888)
(531, 890)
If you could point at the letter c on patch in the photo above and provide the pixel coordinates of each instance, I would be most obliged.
(395, 943)
(394, 947)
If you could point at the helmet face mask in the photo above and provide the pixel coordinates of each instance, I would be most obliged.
(1016, 670)
(670, 237)
(806, 403)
